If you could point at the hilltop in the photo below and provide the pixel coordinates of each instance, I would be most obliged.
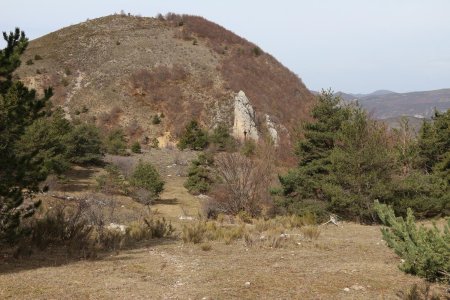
(122, 70)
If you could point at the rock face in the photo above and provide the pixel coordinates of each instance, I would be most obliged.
(272, 131)
(244, 119)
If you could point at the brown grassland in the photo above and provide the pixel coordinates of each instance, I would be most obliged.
(346, 262)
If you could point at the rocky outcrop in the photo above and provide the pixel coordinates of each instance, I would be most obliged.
(272, 131)
(244, 119)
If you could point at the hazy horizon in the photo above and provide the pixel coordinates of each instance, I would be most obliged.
(350, 46)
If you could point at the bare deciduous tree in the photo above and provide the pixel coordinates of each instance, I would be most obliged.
(244, 181)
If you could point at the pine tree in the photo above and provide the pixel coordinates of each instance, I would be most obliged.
(200, 178)
(426, 251)
(193, 137)
(313, 151)
(361, 167)
(19, 109)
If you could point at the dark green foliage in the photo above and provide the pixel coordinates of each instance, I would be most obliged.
(84, 145)
(200, 178)
(19, 109)
(46, 139)
(222, 139)
(193, 137)
(147, 177)
(156, 120)
(10, 55)
(136, 147)
(426, 194)
(115, 142)
(305, 184)
(361, 168)
(426, 251)
(257, 51)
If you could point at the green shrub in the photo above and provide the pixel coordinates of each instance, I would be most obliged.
(222, 139)
(426, 251)
(257, 51)
(193, 137)
(136, 147)
(199, 177)
(115, 143)
(30, 62)
(37, 57)
(156, 120)
(85, 145)
(147, 177)
(154, 143)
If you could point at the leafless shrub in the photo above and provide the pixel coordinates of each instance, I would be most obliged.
(110, 119)
(133, 129)
(244, 183)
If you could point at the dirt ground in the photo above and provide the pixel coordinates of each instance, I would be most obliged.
(346, 262)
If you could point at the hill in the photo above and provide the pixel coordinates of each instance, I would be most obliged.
(389, 105)
(122, 70)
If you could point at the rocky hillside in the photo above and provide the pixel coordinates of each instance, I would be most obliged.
(123, 70)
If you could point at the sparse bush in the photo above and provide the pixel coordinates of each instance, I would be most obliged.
(65, 82)
(222, 139)
(67, 71)
(37, 57)
(136, 147)
(416, 292)
(426, 251)
(194, 233)
(257, 51)
(61, 226)
(193, 137)
(245, 217)
(113, 182)
(206, 247)
(30, 62)
(243, 183)
(248, 148)
(154, 143)
(115, 142)
(156, 120)
(310, 232)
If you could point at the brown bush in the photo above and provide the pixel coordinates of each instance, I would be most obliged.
(244, 184)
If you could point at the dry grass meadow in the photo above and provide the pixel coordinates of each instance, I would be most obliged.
(346, 262)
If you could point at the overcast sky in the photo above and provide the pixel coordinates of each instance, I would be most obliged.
(354, 46)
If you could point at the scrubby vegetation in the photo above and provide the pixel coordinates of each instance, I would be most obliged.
(115, 142)
(426, 251)
(193, 137)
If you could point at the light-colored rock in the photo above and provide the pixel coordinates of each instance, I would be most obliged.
(346, 290)
(244, 118)
(247, 284)
(272, 131)
(117, 227)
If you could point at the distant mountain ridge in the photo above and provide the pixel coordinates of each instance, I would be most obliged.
(384, 104)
